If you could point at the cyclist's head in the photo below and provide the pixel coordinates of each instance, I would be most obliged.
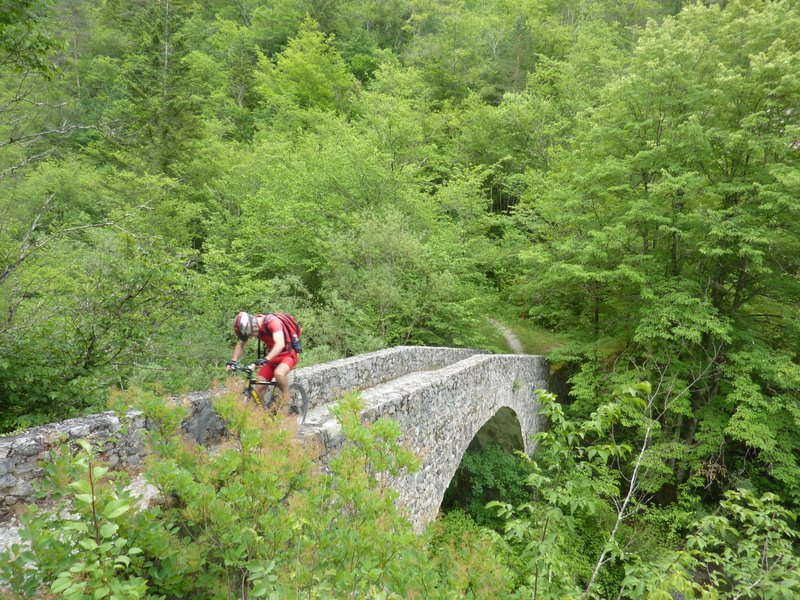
(244, 325)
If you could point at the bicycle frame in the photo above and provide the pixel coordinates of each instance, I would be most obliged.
(250, 390)
(298, 395)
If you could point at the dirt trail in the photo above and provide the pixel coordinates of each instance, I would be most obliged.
(513, 340)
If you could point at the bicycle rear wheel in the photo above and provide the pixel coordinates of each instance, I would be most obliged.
(299, 405)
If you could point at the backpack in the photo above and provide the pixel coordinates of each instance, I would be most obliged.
(291, 332)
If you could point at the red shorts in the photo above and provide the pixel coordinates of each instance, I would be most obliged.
(267, 371)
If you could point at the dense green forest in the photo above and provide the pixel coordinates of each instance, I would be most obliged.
(617, 181)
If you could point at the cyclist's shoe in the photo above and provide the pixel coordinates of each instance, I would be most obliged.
(231, 365)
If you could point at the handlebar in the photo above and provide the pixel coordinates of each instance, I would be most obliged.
(249, 370)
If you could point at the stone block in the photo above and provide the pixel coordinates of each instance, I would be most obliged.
(25, 469)
(7, 481)
(29, 447)
(22, 489)
(81, 431)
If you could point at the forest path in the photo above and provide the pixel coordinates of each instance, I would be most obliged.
(513, 340)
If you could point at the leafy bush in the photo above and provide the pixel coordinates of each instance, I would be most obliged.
(457, 541)
(253, 518)
(84, 551)
(486, 474)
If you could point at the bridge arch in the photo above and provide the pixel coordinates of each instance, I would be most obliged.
(441, 412)
(442, 397)
(422, 493)
(501, 433)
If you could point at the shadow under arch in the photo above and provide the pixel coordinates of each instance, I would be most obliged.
(500, 434)
(503, 430)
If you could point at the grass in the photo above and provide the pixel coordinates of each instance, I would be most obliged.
(493, 339)
(534, 339)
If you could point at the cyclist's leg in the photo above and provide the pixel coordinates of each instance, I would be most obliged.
(260, 390)
(287, 361)
(265, 373)
(282, 379)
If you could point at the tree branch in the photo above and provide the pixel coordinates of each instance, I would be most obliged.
(27, 247)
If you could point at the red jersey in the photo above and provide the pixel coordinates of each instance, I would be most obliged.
(273, 325)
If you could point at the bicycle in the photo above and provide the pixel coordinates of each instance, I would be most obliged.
(298, 394)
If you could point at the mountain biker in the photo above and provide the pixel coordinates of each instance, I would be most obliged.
(280, 357)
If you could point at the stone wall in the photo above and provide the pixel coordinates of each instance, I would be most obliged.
(450, 410)
(22, 455)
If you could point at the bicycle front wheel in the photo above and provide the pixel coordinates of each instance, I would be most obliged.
(250, 396)
(299, 405)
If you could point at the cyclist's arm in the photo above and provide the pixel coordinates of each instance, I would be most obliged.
(238, 350)
(280, 344)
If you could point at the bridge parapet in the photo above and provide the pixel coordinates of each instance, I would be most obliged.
(327, 382)
(21, 454)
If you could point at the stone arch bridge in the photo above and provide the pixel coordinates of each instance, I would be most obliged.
(444, 399)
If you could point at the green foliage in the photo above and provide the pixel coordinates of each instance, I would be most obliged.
(108, 304)
(623, 176)
(487, 474)
(455, 539)
(658, 248)
(254, 514)
(87, 554)
(748, 549)
(745, 550)
(309, 73)
(25, 45)
(241, 147)
(573, 480)
(275, 23)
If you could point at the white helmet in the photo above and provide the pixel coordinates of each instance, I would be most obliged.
(244, 325)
